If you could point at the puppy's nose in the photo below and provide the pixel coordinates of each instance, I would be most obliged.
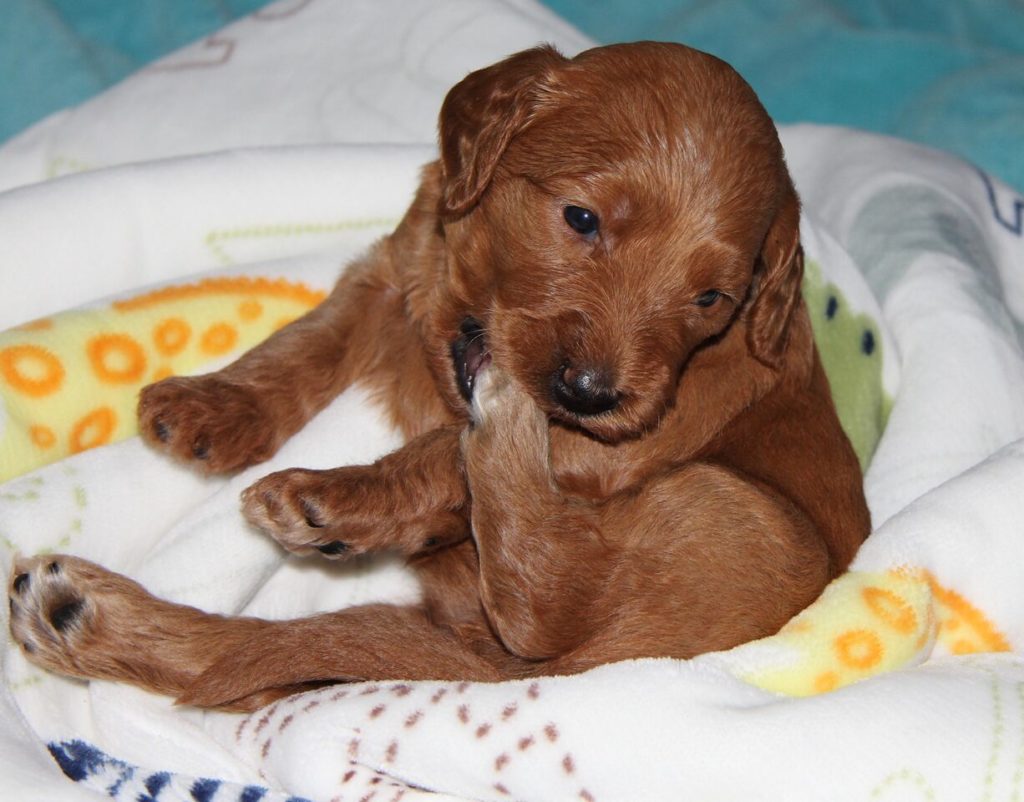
(583, 390)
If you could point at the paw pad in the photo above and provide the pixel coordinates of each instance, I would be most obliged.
(64, 616)
(44, 605)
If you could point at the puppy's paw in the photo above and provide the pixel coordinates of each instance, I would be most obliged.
(54, 601)
(348, 511)
(309, 511)
(205, 421)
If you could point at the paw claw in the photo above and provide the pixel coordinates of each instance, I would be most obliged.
(311, 514)
(161, 431)
(333, 548)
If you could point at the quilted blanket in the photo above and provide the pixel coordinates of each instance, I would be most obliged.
(904, 680)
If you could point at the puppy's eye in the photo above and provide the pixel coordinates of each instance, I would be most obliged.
(708, 298)
(582, 221)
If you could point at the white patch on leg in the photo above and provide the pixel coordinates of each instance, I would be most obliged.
(488, 389)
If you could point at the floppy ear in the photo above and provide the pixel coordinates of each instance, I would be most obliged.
(782, 266)
(479, 117)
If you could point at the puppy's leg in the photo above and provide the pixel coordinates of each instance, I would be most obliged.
(411, 501)
(708, 559)
(375, 642)
(698, 559)
(532, 539)
(240, 415)
(76, 618)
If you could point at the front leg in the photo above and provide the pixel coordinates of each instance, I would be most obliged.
(224, 421)
(532, 539)
(411, 501)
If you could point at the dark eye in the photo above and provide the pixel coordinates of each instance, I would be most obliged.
(582, 221)
(708, 298)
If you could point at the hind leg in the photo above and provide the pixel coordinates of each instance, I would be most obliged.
(74, 617)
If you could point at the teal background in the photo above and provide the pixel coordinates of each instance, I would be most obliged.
(55, 53)
(948, 73)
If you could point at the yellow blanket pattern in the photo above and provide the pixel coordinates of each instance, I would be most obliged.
(71, 382)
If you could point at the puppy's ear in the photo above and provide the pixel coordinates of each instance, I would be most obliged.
(777, 296)
(479, 117)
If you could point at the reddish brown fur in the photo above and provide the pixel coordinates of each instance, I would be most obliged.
(710, 505)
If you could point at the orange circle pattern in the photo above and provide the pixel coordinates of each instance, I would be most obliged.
(32, 370)
(116, 358)
(219, 339)
(250, 309)
(892, 608)
(95, 429)
(42, 436)
(859, 648)
(171, 336)
(124, 359)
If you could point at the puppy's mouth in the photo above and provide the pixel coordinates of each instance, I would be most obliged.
(469, 355)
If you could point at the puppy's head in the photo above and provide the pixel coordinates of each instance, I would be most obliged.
(607, 216)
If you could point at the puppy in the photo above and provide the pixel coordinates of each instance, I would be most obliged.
(621, 442)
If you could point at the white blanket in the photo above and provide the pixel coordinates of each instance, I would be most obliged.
(903, 681)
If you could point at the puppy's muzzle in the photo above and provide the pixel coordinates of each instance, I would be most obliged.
(583, 390)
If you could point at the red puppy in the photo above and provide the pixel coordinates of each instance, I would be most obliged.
(602, 270)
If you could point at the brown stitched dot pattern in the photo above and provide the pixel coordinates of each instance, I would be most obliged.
(386, 731)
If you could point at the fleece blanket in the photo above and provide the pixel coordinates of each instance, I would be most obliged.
(918, 637)
(903, 681)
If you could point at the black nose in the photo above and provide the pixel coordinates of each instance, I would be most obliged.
(585, 391)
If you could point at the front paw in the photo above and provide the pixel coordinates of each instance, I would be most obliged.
(308, 511)
(207, 422)
(344, 512)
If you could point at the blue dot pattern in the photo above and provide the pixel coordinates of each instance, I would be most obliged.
(867, 342)
(92, 768)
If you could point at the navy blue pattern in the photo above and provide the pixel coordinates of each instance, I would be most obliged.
(154, 785)
(94, 768)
